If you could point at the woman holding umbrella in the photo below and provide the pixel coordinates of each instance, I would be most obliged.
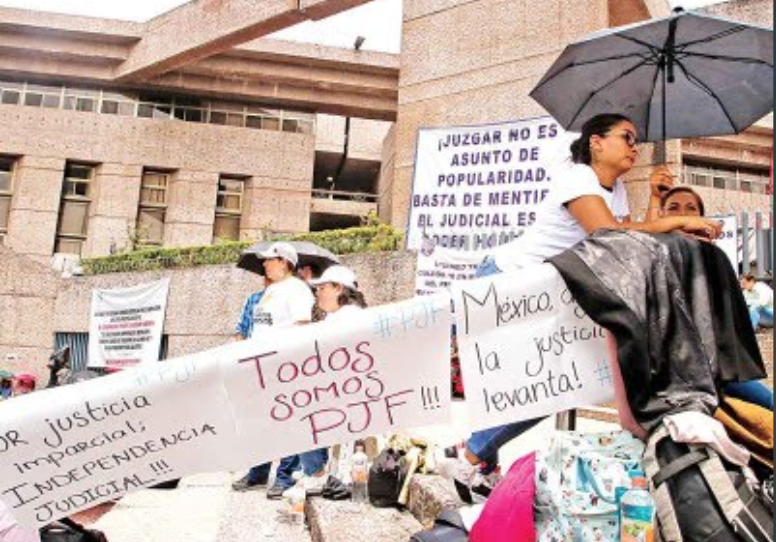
(588, 197)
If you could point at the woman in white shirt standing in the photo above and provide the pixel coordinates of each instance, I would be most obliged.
(586, 197)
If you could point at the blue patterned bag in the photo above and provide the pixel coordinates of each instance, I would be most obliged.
(576, 484)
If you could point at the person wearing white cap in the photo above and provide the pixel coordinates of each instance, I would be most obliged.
(338, 297)
(337, 293)
(287, 301)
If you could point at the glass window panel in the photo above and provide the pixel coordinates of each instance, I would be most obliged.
(155, 179)
(253, 121)
(263, 111)
(162, 112)
(719, 182)
(109, 107)
(290, 125)
(5, 210)
(74, 217)
(11, 97)
(78, 171)
(6, 174)
(68, 246)
(85, 104)
(5, 181)
(75, 188)
(227, 228)
(82, 92)
(150, 223)
(126, 109)
(746, 186)
(52, 101)
(235, 119)
(33, 99)
(145, 110)
(230, 185)
(217, 117)
(270, 123)
(229, 202)
(69, 102)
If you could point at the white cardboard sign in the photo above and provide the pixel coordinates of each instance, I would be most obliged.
(526, 348)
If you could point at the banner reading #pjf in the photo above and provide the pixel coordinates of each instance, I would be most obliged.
(308, 387)
(526, 348)
(126, 324)
(477, 187)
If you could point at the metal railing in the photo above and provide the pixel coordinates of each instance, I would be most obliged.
(341, 195)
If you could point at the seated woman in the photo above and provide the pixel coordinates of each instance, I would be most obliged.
(684, 201)
(588, 196)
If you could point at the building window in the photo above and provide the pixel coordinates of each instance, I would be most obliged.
(7, 166)
(153, 207)
(74, 209)
(228, 208)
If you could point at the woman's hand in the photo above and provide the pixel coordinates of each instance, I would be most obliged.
(660, 181)
(701, 228)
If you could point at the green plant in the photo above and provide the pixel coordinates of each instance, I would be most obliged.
(374, 236)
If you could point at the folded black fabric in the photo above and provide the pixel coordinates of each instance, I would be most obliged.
(676, 309)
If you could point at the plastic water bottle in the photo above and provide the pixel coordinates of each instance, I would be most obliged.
(359, 473)
(637, 513)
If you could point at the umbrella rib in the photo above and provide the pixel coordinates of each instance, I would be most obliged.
(596, 91)
(587, 62)
(715, 37)
(698, 82)
(743, 60)
(651, 47)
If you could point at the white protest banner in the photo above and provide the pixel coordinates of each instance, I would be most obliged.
(728, 240)
(126, 324)
(527, 349)
(477, 187)
(386, 368)
(67, 449)
(439, 267)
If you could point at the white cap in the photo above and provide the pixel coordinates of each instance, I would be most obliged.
(281, 250)
(337, 274)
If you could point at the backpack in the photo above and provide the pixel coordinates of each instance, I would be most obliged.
(386, 478)
(698, 499)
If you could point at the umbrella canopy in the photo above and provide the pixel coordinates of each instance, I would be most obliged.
(309, 254)
(687, 75)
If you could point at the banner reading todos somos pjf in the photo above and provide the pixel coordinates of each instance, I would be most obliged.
(126, 325)
(287, 391)
(477, 187)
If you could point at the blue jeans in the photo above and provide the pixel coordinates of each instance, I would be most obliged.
(761, 316)
(310, 462)
(752, 391)
(485, 444)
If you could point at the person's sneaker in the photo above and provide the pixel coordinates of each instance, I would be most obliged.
(275, 493)
(245, 484)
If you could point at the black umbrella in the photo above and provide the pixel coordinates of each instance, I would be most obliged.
(688, 75)
(309, 254)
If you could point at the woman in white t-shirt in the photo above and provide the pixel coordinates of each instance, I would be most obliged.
(590, 195)
(587, 196)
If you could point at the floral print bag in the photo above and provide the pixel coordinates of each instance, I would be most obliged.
(576, 485)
